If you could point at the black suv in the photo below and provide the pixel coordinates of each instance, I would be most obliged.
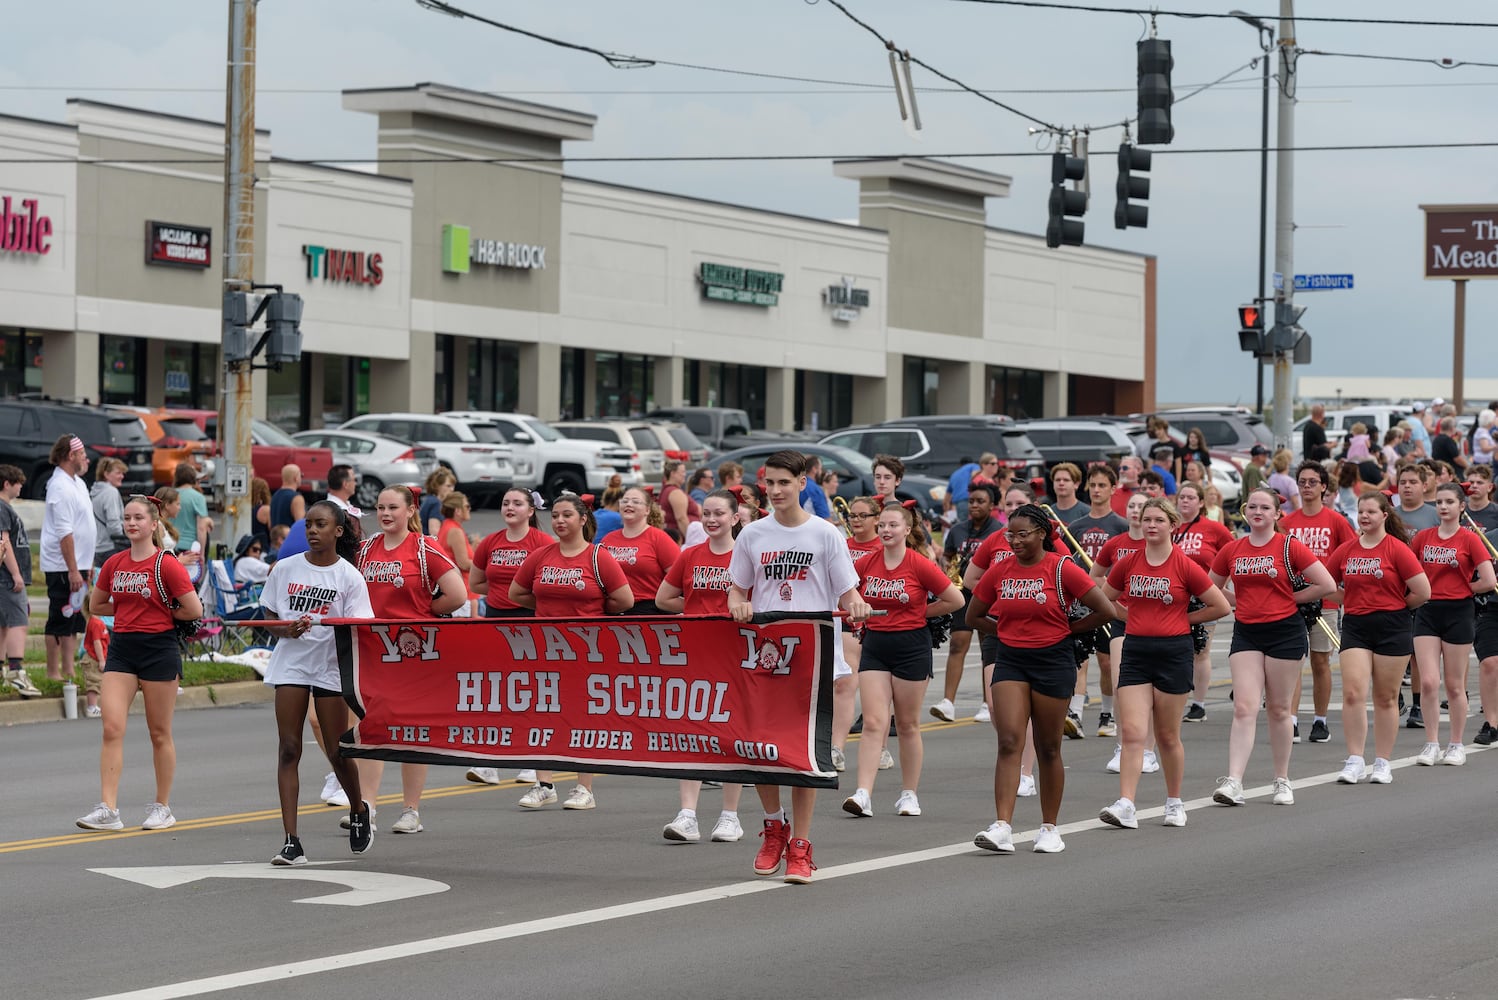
(1079, 440)
(936, 446)
(29, 427)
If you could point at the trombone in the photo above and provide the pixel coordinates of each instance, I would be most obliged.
(1493, 552)
(1084, 560)
(844, 515)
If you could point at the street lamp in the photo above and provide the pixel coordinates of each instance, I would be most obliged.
(1266, 42)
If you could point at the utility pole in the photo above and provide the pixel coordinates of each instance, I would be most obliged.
(233, 478)
(1284, 221)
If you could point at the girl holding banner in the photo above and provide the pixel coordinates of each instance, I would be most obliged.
(641, 548)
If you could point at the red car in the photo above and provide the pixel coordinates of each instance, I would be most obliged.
(272, 449)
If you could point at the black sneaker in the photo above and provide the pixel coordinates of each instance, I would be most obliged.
(1445, 704)
(1416, 718)
(1319, 732)
(1196, 713)
(1401, 703)
(291, 854)
(857, 726)
(1073, 727)
(360, 829)
(1296, 737)
(1486, 735)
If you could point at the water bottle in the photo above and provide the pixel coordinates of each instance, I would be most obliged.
(69, 700)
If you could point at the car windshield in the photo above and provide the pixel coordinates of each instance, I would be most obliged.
(273, 435)
(487, 433)
(856, 461)
(686, 439)
(542, 431)
(182, 428)
(128, 430)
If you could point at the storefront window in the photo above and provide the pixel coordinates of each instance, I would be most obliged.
(122, 364)
(824, 401)
(493, 379)
(739, 386)
(20, 362)
(190, 376)
(920, 387)
(623, 383)
(442, 365)
(1016, 392)
(570, 394)
(335, 379)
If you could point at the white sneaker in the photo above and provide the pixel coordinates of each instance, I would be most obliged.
(338, 798)
(1229, 792)
(1455, 755)
(330, 786)
(1026, 786)
(1352, 771)
(983, 715)
(538, 796)
(1430, 755)
(1284, 794)
(683, 828)
(727, 830)
(839, 761)
(1115, 763)
(1151, 762)
(1382, 773)
(1120, 814)
(158, 817)
(1048, 841)
(410, 822)
(858, 804)
(580, 798)
(484, 775)
(885, 760)
(526, 775)
(998, 837)
(907, 804)
(101, 818)
(1175, 814)
(945, 710)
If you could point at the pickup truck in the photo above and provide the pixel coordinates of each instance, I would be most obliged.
(272, 448)
(551, 463)
(723, 428)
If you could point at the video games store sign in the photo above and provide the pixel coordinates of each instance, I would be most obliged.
(174, 245)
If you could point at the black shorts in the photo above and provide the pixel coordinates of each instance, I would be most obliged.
(1285, 639)
(57, 596)
(1452, 621)
(959, 618)
(1386, 633)
(150, 656)
(641, 609)
(1485, 638)
(1116, 629)
(906, 655)
(493, 612)
(1164, 661)
(312, 689)
(1049, 670)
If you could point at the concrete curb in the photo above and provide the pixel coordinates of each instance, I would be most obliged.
(207, 696)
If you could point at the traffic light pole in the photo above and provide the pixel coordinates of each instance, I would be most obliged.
(1268, 46)
(1284, 222)
(233, 471)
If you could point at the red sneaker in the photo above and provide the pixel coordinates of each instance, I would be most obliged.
(775, 833)
(798, 866)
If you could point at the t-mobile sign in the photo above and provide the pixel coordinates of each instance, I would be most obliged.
(24, 230)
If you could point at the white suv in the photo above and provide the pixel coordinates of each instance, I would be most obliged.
(552, 463)
(473, 449)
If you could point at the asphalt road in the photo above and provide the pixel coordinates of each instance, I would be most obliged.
(1366, 891)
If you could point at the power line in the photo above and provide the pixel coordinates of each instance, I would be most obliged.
(1199, 15)
(1442, 63)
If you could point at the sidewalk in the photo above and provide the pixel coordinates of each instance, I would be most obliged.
(20, 711)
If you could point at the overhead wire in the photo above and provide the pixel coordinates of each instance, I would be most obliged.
(1216, 15)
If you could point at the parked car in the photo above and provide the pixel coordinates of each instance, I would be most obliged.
(682, 444)
(177, 438)
(379, 460)
(723, 428)
(550, 461)
(29, 427)
(855, 473)
(935, 446)
(1228, 429)
(642, 438)
(1080, 440)
(1378, 419)
(271, 449)
(473, 449)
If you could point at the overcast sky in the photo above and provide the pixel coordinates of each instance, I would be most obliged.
(1356, 210)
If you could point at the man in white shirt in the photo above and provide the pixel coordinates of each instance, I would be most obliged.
(67, 551)
(791, 536)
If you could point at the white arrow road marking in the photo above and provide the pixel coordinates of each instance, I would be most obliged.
(364, 888)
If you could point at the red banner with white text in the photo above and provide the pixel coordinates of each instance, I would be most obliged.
(676, 697)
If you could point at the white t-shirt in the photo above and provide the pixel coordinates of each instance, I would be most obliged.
(296, 587)
(69, 511)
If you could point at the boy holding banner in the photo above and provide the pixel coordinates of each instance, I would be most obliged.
(791, 562)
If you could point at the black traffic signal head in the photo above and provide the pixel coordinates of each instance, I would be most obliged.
(1251, 330)
(1155, 96)
(1132, 186)
(1061, 230)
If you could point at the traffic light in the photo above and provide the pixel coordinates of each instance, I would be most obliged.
(1062, 230)
(283, 330)
(1130, 159)
(1155, 97)
(236, 342)
(1287, 330)
(1251, 330)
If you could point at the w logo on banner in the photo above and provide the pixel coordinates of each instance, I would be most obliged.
(767, 654)
(407, 643)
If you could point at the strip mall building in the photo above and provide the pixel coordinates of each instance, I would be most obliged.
(445, 279)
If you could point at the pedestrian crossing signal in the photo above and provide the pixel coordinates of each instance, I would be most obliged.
(1248, 316)
(1251, 330)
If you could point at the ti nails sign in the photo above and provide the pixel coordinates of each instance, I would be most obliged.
(345, 267)
(1461, 241)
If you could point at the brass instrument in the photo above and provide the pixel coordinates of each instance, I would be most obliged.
(844, 515)
(1481, 534)
(1076, 547)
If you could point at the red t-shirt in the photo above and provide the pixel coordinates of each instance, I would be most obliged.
(860, 551)
(1449, 562)
(131, 585)
(1324, 533)
(396, 586)
(644, 558)
(564, 586)
(1116, 550)
(694, 511)
(995, 548)
(702, 577)
(1156, 595)
(900, 591)
(501, 557)
(448, 526)
(1023, 600)
(95, 636)
(1120, 500)
(1260, 577)
(1373, 578)
(1202, 539)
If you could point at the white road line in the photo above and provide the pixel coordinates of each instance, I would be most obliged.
(503, 932)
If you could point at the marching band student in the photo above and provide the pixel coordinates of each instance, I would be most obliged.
(863, 515)
(303, 589)
(1027, 597)
(1115, 550)
(1200, 538)
(958, 546)
(1323, 531)
(1092, 532)
(1155, 668)
(138, 587)
(641, 548)
(1269, 638)
(678, 509)
(455, 544)
(697, 584)
(572, 579)
(826, 582)
(408, 577)
(896, 661)
(1458, 566)
(1381, 582)
(1480, 507)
